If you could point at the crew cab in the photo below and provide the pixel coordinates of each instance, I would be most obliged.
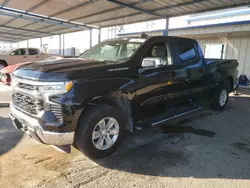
(19, 55)
(118, 85)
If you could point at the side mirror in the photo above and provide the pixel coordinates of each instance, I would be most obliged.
(12, 53)
(152, 62)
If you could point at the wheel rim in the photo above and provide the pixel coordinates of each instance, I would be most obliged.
(105, 133)
(1, 66)
(223, 97)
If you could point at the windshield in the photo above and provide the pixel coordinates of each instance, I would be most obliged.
(8, 51)
(114, 50)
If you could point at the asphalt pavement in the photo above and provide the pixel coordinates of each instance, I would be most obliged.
(205, 149)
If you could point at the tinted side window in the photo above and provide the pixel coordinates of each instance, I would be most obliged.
(33, 51)
(15, 52)
(158, 50)
(187, 52)
(22, 51)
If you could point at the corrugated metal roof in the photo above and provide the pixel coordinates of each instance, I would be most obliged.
(41, 17)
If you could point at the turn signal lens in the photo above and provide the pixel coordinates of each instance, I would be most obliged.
(68, 86)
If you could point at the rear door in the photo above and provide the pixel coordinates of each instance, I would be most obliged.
(161, 86)
(34, 54)
(24, 56)
(189, 56)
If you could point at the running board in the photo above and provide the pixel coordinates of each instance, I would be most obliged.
(175, 116)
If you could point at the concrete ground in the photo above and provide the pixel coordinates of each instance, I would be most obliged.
(206, 149)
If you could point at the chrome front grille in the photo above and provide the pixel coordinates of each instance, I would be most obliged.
(27, 86)
(27, 97)
(26, 103)
(57, 111)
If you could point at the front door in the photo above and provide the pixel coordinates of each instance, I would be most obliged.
(14, 57)
(161, 86)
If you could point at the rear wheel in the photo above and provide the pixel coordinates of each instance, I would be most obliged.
(100, 131)
(220, 97)
(2, 64)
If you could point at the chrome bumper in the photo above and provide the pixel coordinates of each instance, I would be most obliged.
(33, 128)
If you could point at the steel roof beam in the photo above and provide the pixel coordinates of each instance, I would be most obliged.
(28, 30)
(13, 38)
(137, 8)
(30, 9)
(58, 13)
(107, 11)
(43, 19)
(75, 7)
(154, 10)
(21, 35)
(4, 40)
(174, 6)
(4, 3)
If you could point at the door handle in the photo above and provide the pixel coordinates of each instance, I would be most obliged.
(24, 57)
(37, 56)
(201, 71)
(172, 74)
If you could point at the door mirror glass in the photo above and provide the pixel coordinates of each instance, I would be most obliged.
(152, 62)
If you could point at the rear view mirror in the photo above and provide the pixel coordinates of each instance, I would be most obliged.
(152, 62)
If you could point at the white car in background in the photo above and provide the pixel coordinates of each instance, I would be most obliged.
(20, 55)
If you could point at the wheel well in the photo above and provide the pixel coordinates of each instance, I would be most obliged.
(231, 83)
(3, 62)
(119, 102)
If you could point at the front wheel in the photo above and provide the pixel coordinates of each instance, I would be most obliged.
(220, 97)
(2, 65)
(100, 131)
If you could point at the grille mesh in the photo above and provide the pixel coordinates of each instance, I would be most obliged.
(26, 103)
(57, 111)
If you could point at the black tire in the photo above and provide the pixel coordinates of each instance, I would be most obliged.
(85, 128)
(3, 63)
(215, 102)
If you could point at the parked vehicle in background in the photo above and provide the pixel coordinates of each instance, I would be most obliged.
(20, 55)
(120, 84)
(6, 71)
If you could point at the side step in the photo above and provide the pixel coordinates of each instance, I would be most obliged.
(164, 118)
(176, 116)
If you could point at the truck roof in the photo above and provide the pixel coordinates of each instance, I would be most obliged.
(152, 37)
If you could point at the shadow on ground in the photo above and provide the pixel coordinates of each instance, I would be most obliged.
(9, 136)
(214, 147)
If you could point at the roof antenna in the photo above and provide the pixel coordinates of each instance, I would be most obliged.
(143, 35)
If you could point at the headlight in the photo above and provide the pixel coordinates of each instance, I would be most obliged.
(56, 88)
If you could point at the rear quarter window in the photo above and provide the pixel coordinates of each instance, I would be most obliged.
(187, 52)
(33, 51)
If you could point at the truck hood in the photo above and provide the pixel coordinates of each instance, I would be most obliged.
(64, 69)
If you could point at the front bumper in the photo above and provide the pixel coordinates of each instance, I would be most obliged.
(33, 128)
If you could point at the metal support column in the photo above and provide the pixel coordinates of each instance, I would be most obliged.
(41, 44)
(27, 43)
(63, 44)
(90, 38)
(60, 43)
(99, 35)
(167, 27)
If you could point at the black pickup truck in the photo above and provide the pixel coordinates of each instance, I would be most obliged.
(118, 85)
